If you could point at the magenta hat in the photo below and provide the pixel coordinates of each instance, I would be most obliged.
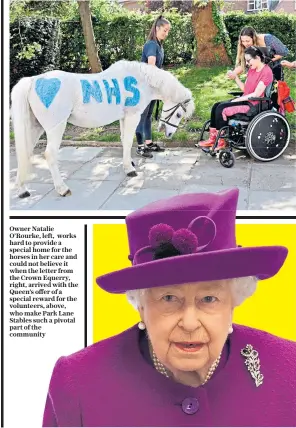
(189, 238)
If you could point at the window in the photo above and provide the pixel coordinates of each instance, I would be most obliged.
(256, 5)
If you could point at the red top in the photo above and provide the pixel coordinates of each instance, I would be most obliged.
(254, 77)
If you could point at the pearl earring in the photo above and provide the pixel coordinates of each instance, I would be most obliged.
(230, 330)
(141, 325)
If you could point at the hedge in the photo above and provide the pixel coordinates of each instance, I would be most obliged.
(34, 47)
(281, 25)
(38, 45)
(123, 37)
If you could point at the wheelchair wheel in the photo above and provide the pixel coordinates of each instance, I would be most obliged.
(226, 158)
(267, 136)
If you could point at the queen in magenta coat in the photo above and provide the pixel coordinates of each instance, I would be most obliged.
(185, 363)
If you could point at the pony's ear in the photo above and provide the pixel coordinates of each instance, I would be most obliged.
(189, 112)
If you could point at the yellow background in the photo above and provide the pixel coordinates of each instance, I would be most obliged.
(272, 308)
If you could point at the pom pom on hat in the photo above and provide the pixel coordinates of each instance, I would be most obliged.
(160, 234)
(185, 241)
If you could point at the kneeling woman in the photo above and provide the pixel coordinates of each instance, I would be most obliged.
(258, 78)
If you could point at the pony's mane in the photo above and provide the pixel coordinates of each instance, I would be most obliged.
(161, 80)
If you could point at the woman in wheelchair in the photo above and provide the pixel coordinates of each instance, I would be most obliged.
(258, 78)
(248, 37)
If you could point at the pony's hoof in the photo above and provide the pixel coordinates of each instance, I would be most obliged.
(67, 193)
(26, 194)
(133, 164)
(132, 174)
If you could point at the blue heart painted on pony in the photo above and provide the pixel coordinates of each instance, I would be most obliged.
(47, 89)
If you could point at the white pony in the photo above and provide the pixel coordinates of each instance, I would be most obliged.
(48, 101)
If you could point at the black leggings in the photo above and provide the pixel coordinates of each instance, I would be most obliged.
(217, 120)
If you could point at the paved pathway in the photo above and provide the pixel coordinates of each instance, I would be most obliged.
(97, 181)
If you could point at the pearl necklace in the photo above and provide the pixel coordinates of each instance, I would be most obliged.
(161, 368)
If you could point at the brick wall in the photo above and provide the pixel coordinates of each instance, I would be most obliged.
(235, 5)
(286, 6)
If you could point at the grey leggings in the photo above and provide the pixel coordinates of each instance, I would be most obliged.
(144, 128)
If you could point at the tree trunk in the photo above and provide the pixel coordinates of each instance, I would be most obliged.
(208, 52)
(91, 49)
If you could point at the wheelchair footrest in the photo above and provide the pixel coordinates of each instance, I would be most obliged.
(205, 149)
(234, 122)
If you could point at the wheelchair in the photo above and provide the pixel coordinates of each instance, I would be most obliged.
(263, 132)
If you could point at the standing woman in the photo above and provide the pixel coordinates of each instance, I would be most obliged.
(248, 37)
(153, 54)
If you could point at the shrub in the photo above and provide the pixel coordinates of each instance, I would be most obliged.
(34, 47)
(41, 44)
(122, 36)
(281, 25)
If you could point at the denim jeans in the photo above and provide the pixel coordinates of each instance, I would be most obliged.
(144, 128)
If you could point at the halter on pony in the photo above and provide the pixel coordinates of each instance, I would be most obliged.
(173, 109)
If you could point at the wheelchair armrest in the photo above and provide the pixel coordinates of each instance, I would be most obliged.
(260, 99)
(236, 93)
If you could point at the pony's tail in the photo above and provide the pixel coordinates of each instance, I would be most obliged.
(22, 116)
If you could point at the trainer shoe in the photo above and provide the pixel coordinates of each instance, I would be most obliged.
(144, 152)
(154, 147)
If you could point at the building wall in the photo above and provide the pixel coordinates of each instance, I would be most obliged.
(235, 5)
(286, 6)
(132, 4)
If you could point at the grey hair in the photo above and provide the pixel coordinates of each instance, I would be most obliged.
(241, 289)
(134, 297)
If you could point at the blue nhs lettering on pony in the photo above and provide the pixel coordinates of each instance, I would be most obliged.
(47, 102)
(92, 88)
